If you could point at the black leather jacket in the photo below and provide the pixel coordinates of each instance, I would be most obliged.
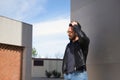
(80, 52)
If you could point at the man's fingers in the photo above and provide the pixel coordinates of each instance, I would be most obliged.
(74, 23)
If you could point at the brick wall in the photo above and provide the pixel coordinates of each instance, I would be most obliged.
(10, 62)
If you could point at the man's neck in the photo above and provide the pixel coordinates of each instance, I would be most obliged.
(76, 39)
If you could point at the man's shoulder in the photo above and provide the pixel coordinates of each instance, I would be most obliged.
(69, 44)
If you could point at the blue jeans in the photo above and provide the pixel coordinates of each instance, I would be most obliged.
(76, 76)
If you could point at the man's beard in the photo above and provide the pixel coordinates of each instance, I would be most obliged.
(72, 38)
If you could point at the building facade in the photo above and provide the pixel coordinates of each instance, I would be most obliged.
(41, 65)
(15, 49)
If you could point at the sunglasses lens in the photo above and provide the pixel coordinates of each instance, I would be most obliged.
(70, 24)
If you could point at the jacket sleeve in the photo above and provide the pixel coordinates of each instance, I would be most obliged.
(82, 36)
(83, 40)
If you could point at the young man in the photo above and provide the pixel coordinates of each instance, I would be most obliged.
(74, 61)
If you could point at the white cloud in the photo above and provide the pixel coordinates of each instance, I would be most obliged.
(50, 27)
(50, 38)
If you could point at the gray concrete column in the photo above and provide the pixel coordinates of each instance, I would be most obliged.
(100, 19)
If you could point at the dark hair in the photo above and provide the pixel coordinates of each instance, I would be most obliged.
(77, 24)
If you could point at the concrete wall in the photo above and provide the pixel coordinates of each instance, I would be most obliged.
(17, 33)
(49, 65)
(100, 19)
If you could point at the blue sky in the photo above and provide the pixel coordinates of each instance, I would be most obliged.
(49, 18)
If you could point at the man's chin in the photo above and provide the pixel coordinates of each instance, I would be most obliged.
(70, 39)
